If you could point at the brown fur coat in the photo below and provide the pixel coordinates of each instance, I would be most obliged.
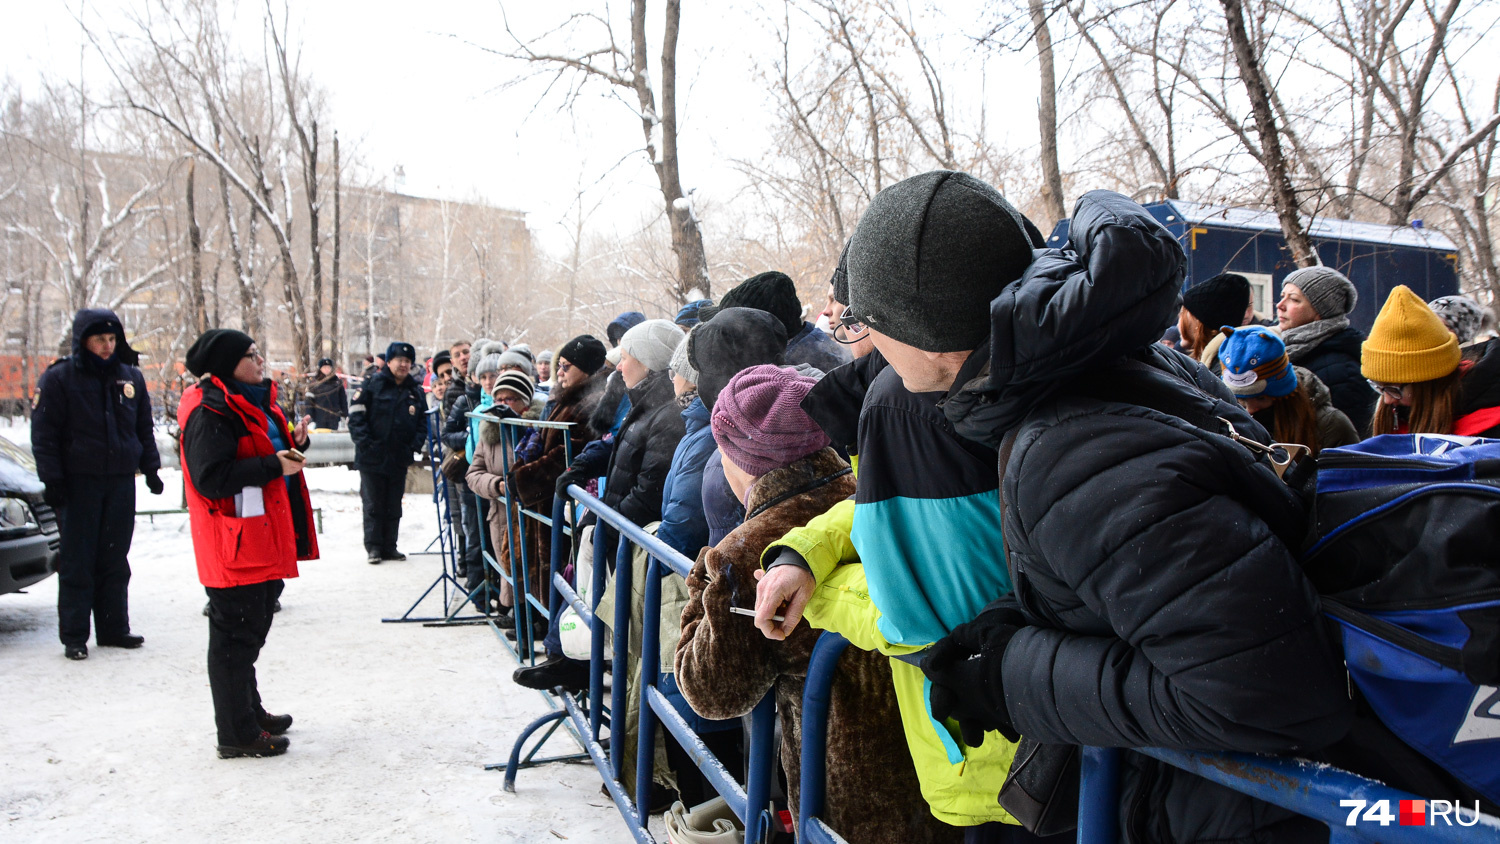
(725, 666)
(486, 477)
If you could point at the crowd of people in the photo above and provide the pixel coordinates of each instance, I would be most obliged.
(985, 465)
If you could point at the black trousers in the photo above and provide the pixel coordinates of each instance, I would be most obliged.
(1004, 833)
(93, 574)
(381, 496)
(239, 618)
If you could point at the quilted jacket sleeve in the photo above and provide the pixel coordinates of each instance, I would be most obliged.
(1174, 617)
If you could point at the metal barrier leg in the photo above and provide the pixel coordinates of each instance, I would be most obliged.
(816, 693)
(555, 719)
(617, 704)
(1099, 796)
(645, 742)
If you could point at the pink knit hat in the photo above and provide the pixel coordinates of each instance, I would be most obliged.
(759, 423)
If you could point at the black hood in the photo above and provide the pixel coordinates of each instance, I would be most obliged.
(88, 320)
(1481, 384)
(1110, 292)
(731, 340)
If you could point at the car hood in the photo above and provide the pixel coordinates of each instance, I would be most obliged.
(17, 471)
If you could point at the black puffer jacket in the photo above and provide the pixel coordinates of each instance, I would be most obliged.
(1480, 387)
(643, 450)
(1336, 363)
(1165, 610)
(93, 419)
(388, 423)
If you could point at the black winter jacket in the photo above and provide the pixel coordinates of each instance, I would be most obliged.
(456, 422)
(327, 402)
(91, 419)
(388, 423)
(643, 450)
(1164, 610)
(1480, 387)
(1336, 363)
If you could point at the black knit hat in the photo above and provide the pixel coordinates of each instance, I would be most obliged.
(441, 358)
(735, 339)
(218, 352)
(325, 362)
(1218, 302)
(585, 352)
(399, 349)
(772, 292)
(929, 255)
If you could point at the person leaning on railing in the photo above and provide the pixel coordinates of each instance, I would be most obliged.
(778, 461)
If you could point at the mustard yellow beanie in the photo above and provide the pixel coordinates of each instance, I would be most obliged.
(1408, 342)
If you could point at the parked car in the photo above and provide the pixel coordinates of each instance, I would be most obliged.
(29, 537)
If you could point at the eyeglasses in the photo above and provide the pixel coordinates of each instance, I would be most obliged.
(253, 354)
(565, 368)
(1391, 391)
(853, 330)
(513, 401)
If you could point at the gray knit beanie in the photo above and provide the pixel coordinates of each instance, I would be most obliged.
(513, 358)
(930, 253)
(488, 363)
(680, 363)
(1326, 289)
(1463, 316)
(652, 343)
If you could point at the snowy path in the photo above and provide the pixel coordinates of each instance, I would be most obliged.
(394, 722)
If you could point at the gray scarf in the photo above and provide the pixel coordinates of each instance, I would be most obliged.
(1300, 341)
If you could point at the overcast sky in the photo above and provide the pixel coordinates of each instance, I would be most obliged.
(408, 88)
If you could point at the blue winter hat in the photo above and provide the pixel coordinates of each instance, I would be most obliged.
(621, 324)
(399, 349)
(1255, 363)
(687, 317)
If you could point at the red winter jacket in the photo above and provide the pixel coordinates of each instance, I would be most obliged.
(225, 449)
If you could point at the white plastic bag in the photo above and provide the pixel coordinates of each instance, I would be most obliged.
(577, 639)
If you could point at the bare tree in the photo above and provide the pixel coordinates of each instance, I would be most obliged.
(629, 70)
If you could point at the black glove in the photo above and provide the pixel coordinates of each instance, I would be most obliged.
(56, 495)
(572, 476)
(153, 483)
(964, 668)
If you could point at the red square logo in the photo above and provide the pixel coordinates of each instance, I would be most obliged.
(1413, 812)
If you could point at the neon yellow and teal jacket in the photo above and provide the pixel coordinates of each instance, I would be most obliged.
(915, 554)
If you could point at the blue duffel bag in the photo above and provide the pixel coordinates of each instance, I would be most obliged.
(1408, 562)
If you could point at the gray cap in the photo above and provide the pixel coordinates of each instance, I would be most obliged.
(1329, 292)
(681, 364)
(517, 360)
(929, 255)
(652, 343)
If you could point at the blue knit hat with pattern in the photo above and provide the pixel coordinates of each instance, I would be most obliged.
(1255, 363)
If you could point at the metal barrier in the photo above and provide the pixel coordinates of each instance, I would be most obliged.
(518, 531)
(447, 544)
(1307, 788)
(751, 804)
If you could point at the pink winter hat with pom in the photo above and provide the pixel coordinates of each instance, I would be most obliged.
(759, 423)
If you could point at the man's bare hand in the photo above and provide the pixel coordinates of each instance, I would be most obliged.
(791, 586)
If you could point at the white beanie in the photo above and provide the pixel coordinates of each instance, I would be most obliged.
(652, 343)
(681, 364)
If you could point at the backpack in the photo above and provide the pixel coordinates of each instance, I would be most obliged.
(1407, 560)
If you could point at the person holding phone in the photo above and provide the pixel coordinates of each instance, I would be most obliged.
(252, 521)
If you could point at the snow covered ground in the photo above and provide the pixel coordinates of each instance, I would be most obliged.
(394, 723)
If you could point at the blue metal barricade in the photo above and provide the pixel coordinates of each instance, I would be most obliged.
(520, 525)
(750, 804)
(1314, 790)
(445, 540)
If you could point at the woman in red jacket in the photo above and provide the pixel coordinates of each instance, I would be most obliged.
(252, 522)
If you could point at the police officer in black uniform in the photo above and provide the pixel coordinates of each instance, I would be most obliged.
(388, 422)
(91, 432)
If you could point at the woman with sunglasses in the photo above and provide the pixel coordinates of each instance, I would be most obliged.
(1413, 361)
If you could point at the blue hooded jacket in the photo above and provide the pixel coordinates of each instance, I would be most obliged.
(683, 524)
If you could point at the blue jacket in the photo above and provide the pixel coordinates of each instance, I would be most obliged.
(721, 510)
(93, 418)
(816, 349)
(683, 525)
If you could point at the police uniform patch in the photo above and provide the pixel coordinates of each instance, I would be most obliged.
(129, 391)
